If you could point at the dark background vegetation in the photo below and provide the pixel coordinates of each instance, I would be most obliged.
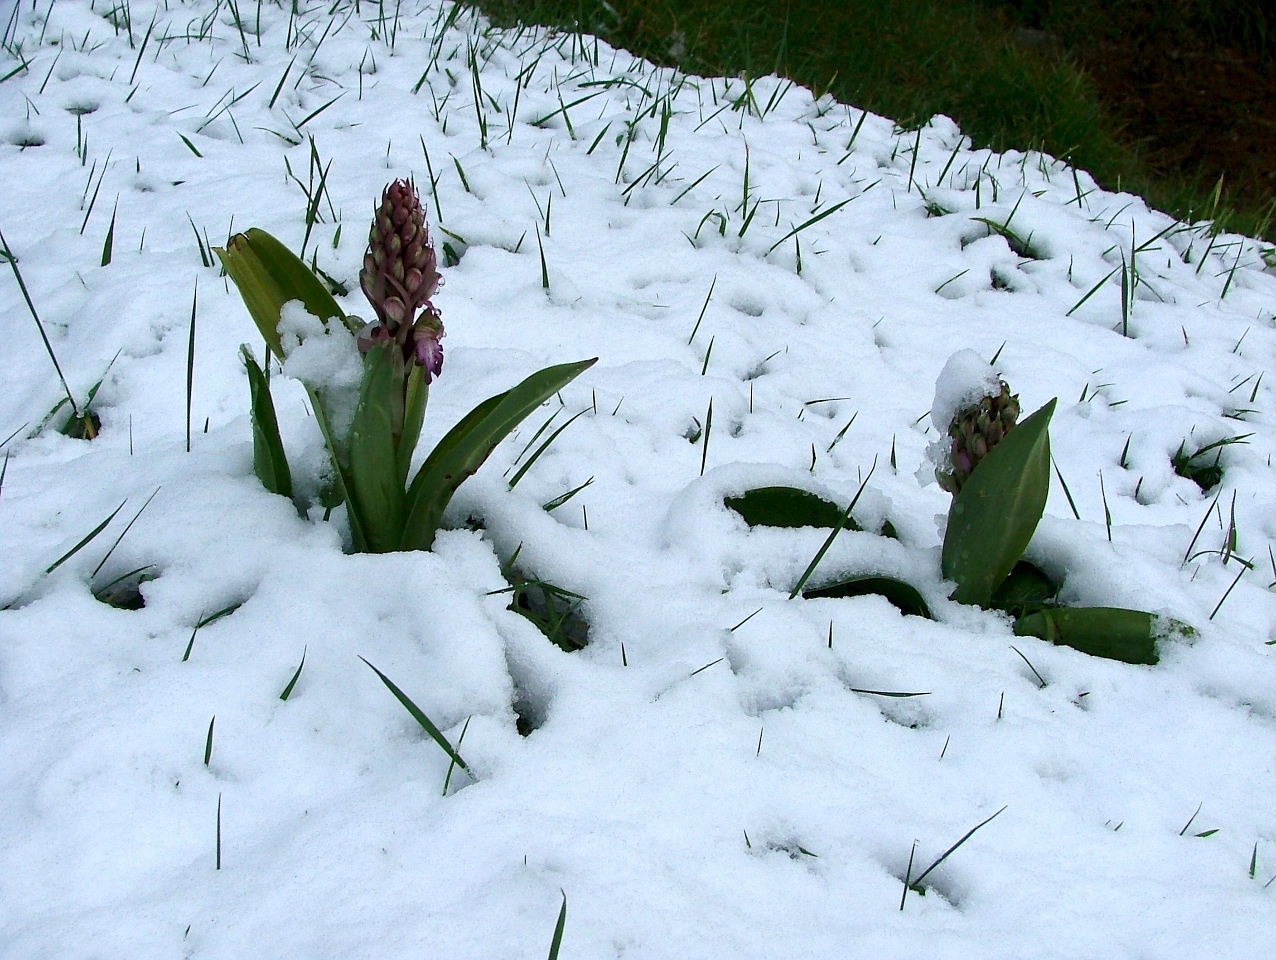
(1164, 98)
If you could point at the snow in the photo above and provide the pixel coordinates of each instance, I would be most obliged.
(965, 380)
(323, 356)
(708, 778)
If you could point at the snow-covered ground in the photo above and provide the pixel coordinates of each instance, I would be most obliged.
(708, 778)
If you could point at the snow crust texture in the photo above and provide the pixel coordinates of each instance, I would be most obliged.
(722, 772)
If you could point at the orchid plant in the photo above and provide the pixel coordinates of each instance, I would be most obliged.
(372, 434)
(998, 472)
(997, 469)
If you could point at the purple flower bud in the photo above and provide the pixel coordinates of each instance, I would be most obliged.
(371, 334)
(427, 346)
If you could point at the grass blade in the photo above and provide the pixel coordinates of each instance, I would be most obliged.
(708, 428)
(947, 853)
(208, 741)
(814, 220)
(287, 691)
(1092, 292)
(541, 449)
(819, 554)
(190, 364)
(205, 621)
(447, 780)
(13, 264)
(109, 243)
(426, 723)
(121, 536)
(85, 542)
(560, 500)
(556, 943)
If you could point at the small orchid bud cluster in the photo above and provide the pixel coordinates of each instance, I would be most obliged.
(973, 432)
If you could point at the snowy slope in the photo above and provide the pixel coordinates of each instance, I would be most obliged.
(695, 785)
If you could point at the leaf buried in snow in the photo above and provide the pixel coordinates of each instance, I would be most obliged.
(1027, 590)
(787, 507)
(124, 592)
(904, 596)
(1127, 635)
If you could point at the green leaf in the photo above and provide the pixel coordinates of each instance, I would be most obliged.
(468, 444)
(417, 394)
(268, 275)
(787, 507)
(902, 595)
(269, 460)
(374, 486)
(1027, 590)
(426, 723)
(996, 513)
(1111, 632)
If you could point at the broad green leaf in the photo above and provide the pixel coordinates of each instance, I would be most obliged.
(996, 513)
(467, 445)
(269, 460)
(1111, 632)
(902, 595)
(268, 275)
(787, 507)
(374, 484)
(1025, 591)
